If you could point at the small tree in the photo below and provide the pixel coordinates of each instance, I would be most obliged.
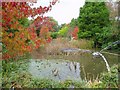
(75, 33)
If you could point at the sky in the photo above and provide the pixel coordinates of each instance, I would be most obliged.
(64, 11)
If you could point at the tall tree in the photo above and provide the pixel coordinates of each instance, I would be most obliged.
(93, 17)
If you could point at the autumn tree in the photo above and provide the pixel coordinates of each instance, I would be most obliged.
(17, 37)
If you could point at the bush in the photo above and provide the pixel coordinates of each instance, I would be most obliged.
(108, 79)
(54, 35)
(63, 31)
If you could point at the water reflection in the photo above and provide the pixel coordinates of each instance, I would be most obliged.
(56, 70)
(75, 67)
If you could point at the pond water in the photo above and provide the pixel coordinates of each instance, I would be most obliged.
(70, 67)
(55, 69)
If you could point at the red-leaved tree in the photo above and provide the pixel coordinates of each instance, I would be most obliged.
(17, 39)
(75, 33)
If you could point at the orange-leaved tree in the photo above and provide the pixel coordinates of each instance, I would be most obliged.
(43, 27)
(16, 38)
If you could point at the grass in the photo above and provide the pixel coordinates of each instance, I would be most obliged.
(82, 44)
(55, 47)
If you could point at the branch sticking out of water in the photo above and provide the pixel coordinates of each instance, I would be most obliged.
(107, 65)
(99, 54)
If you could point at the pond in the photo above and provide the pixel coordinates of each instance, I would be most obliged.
(55, 69)
(70, 67)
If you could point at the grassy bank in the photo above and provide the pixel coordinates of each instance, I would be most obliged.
(55, 47)
(15, 74)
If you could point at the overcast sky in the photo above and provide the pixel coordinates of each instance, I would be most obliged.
(63, 11)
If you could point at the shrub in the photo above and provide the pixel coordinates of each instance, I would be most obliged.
(108, 79)
(63, 31)
(54, 35)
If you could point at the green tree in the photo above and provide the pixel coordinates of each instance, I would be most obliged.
(25, 22)
(93, 17)
(63, 31)
(55, 26)
(74, 22)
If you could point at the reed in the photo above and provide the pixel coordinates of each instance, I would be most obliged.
(55, 47)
